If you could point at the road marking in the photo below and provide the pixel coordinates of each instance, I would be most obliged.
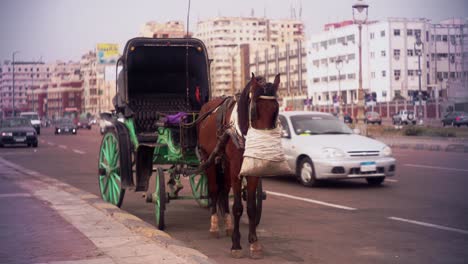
(79, 151)
(430, 225)
(310, 200)
(9, 195)
(62, 146)
(50, 143)
(390, 180)
(434, 167)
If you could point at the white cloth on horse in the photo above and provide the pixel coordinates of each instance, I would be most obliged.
(264, 144)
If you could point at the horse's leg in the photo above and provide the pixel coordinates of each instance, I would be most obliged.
(256, 250)
(236, 249)
(213, 193)
(224, 201)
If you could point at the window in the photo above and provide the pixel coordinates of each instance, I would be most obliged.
(333, 78)
(372, 35)
(383, 53)
(351, 76)
(396, 32)
(351, 56)
(444, 38)
(324, 79)
(409, 32)
(316, 80)
(410, 72)
(410, 53)
(397, 73)
(396, 52)
(384, 73)
(417, 32)
(382, 33)
(350, 38)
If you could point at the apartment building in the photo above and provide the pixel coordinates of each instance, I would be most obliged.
(28, 76)
(170, 29)
(224, 37)
(390, 66)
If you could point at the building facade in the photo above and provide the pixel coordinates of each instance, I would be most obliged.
(390, 65)
(170, 29)
(28, 76)
(224, 37)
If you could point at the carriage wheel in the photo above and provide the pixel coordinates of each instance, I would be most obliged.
(199, 184)
(160, 198)
(110, 180)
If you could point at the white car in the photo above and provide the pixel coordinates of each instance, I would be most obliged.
(318, 146)
(34, 119)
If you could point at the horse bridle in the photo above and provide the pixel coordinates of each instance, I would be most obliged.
(253, 109)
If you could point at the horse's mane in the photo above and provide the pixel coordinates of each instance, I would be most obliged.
(244, 100)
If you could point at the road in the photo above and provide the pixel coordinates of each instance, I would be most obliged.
(419, 216)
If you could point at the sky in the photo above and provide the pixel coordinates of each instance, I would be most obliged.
(66, 29)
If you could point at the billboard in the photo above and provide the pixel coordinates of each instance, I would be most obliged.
(107, 53)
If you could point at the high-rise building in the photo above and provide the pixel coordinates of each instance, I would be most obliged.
(170, 29)
(224, 37)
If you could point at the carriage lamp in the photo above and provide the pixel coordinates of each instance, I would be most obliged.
(132, 48)
(199, 49)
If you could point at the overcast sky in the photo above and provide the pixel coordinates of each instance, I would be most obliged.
(66, 29)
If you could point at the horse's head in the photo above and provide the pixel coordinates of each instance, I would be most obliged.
(258, 104)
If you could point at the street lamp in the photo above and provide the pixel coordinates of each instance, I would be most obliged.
(13, 64)
(339, 67)
(360, 14)
(419, 44)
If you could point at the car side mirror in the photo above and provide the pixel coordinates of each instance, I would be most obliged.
(284, 134)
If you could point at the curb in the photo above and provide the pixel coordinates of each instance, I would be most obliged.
(458, 148)
(134, 224)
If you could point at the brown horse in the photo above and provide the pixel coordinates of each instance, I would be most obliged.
(257, 107)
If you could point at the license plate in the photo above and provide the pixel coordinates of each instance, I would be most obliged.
(20, 139)
(368, 166)
(66, 129)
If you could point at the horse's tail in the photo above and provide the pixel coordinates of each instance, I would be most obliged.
(222, 195)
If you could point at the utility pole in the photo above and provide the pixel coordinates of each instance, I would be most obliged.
(13, 64)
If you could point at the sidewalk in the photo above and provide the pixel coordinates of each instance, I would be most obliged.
(43, 220)
(427, 143)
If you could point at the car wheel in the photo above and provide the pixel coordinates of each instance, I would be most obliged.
(380, 123)
(306, 173)
(35, 145)
(375, 181)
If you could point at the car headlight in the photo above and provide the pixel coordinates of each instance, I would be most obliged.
(30, 133)
(74, 130)
(7, 134)
(58, 130)
(79, 123)
(332, 153)
(386, 151)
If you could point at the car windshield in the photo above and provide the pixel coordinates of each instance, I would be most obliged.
(65, 122)
(318, 124)
(31, 116)
(15, 122)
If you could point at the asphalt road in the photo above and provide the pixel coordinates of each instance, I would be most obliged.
(419, 216)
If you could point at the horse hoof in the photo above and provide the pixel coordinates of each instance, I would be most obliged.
(228, 232)
(214, 234)
(236, 253)
(256, 250)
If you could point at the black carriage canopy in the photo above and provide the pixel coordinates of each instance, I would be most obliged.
(172, 75)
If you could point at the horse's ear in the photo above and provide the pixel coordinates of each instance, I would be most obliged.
(276, 82)
(253, 80)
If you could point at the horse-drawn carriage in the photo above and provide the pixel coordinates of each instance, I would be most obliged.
(166, 124)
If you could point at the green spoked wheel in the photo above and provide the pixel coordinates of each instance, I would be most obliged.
(110, 181)
(199, 184)
(159, 199)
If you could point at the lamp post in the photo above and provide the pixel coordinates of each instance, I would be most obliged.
(13, 64)
(419, 44)
(339, 67)
(360, 14)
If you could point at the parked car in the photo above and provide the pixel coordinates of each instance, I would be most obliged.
(318, 146)
(404, 117)
(34, 119)
(372, 118)
(17, 131)
(347, 118)
(455, 119)
(65, 126)
(84, 123)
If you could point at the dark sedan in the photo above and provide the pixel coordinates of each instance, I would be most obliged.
(17, 131)
(84, 123)
(65, 126)
(455, 119)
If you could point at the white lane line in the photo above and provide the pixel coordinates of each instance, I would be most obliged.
(310, 200)
(50, 143)
(62, 146)
(390, 180)
(430, 225)
(79, 151)
(434, 167)
(9, 195)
